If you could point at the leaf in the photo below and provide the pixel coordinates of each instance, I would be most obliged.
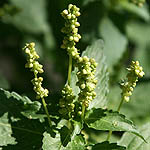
(132, 142)
(115, 42)
(77, 144)
(139, 11)
(73, 82)
(50, 143)
(27, 107)
(65, 136)
(13, 123)
(96, 51)
(107, 146)
(32, 18)
(100, 119)
(6, 132)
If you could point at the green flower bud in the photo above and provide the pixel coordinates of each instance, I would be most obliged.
(135, 72)
(36, 68)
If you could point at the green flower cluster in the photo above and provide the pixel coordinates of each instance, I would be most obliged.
(86, 79)
(31, 59)
(66, 102)
(139, 3)
(71, 30)
(135, 72)
(86, 67)
(36, 68)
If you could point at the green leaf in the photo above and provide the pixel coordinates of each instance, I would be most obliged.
(107, 146)
(27, 107)
(139, 11)
(76, 144)
(96, 51)
(32, 18)
(132, 142)
(65, 136)
(15, 125)
(100, 119)
(6, 131)
(54, 143)
(73, 82)
(115, 42)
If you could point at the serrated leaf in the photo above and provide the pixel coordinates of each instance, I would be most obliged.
(132, 142)
(100, 119)
(96, 51)
(115, 42)
(5, 131)
(54, 143)
(25, 105)
(23, 129)
(107, 146)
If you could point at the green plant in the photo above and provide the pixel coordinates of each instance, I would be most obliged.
(82, 105)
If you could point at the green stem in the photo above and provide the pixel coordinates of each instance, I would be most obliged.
(69, 69)
(47, 113)
(83, 111)
(109, 135)
(118, 109)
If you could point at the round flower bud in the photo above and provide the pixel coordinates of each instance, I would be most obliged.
(65, 12)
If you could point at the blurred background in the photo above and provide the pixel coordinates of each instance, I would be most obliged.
(122, 25)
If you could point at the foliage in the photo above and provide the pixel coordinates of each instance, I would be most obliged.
(82, 106)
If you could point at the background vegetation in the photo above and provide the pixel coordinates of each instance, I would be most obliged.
(123, 26)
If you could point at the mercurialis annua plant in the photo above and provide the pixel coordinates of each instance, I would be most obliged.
(86, 66)
(81, 103)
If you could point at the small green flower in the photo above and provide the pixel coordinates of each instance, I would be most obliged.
(71, 30)
(41, 92)
(66, 102)
(86, 66)
(86, 79)
(135, 71)
(36, 68)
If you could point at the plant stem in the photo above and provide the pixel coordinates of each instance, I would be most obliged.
(118, 109)
(121, 102)
(47, 113)
(69, 69)
(109, 135)
(83, 111)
